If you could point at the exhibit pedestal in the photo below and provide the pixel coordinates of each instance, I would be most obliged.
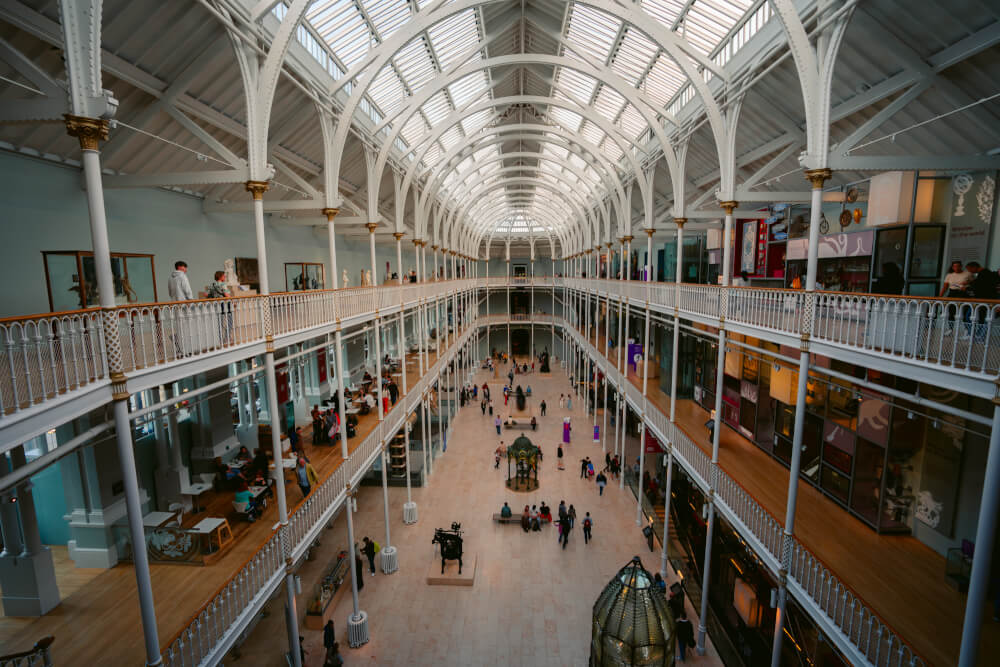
(451, 577)
(357, 629)
(409, 513)
(389, 562)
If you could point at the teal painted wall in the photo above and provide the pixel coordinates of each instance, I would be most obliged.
(47, 206)
(50, 505)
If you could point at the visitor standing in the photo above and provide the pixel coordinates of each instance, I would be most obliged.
(329, 640)
(559, 457)
(482, 405)
(369, 552)
(571, 515)
(564, 526)
(601, 482)
(178, 287)
(583, 468)
(607, 461)
(562, 509)
(359, 567)
(525, 520)
(569, 401)
(497, 454)
(588, 523)
(685, 635)
(302, 476)
(542, 408)
(496, 422)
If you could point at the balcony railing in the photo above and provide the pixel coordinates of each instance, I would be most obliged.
(47, 356)
(212, 630)
(823, 593)
(958, 335)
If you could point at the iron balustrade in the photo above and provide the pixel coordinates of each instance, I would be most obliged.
(46, 356)
(830, 601)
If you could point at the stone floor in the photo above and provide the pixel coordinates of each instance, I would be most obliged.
(531, 602)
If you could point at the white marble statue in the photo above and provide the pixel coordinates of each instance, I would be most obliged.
(366, 279)
(230, 278)
(345, 280)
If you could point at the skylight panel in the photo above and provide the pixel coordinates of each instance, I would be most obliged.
(634, 56)
(632, 122)
(436, 108)
(577, 86)
(465, 89)
(664, 80)
(592, 133)
(609, 102)
(450, 137)
(432, 155)
(414, 64)
(343, 28)
(387, 15)
(664, 11)
(475, 122)
(592, 32)
(454, 37)
(414, 129)
(569, 120)
(611, 149)
(387, 90)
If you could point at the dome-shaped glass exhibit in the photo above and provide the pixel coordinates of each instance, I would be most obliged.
(632, 624)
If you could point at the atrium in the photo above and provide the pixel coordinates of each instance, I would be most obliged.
(275, 269)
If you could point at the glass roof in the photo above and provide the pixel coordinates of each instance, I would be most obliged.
(339, 33)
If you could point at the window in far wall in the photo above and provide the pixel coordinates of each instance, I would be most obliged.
(71, 279)
(303, 276)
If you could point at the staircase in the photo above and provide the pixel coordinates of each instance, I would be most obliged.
(38, 656)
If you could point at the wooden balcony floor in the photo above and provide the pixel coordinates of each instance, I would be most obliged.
(899, 577)
(98, 622)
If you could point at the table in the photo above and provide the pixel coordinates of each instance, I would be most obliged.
(195, 490)
(159, 519)
(352, 411)
(214, 527)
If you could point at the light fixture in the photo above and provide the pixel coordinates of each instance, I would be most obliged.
(632, 624)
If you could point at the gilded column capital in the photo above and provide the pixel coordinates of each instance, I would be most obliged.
(330, 213)
(416, 242)
(818, 176)
(257, 189)
(371, 227)
(398, 235)
(649, 232)
(627, 239)
(89, 131)
(434, 247)
(680, 222)
(588, 251)
(729, 206)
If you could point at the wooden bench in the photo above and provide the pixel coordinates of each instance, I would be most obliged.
(515, 518)
(517, 423)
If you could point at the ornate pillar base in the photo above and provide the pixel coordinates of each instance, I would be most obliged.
(388, 559)
(357, 629)
(409, 513)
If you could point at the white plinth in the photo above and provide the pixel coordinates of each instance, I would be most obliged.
(409, 513)
(389, 562)
(357, 629)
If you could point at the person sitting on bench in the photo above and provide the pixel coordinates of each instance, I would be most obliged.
(505, 511)
(545, 512)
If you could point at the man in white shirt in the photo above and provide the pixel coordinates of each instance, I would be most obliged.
(956, 282)
(178, 286)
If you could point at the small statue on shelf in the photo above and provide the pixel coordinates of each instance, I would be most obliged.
(345, 280)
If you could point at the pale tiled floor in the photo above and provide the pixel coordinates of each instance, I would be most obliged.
(531, 602)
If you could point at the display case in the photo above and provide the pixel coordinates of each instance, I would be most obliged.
(397, 457)
(71, 279)
(321, 604)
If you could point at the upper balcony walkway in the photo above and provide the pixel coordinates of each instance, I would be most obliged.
(56, 359)
(898, 577)
(97, 624)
